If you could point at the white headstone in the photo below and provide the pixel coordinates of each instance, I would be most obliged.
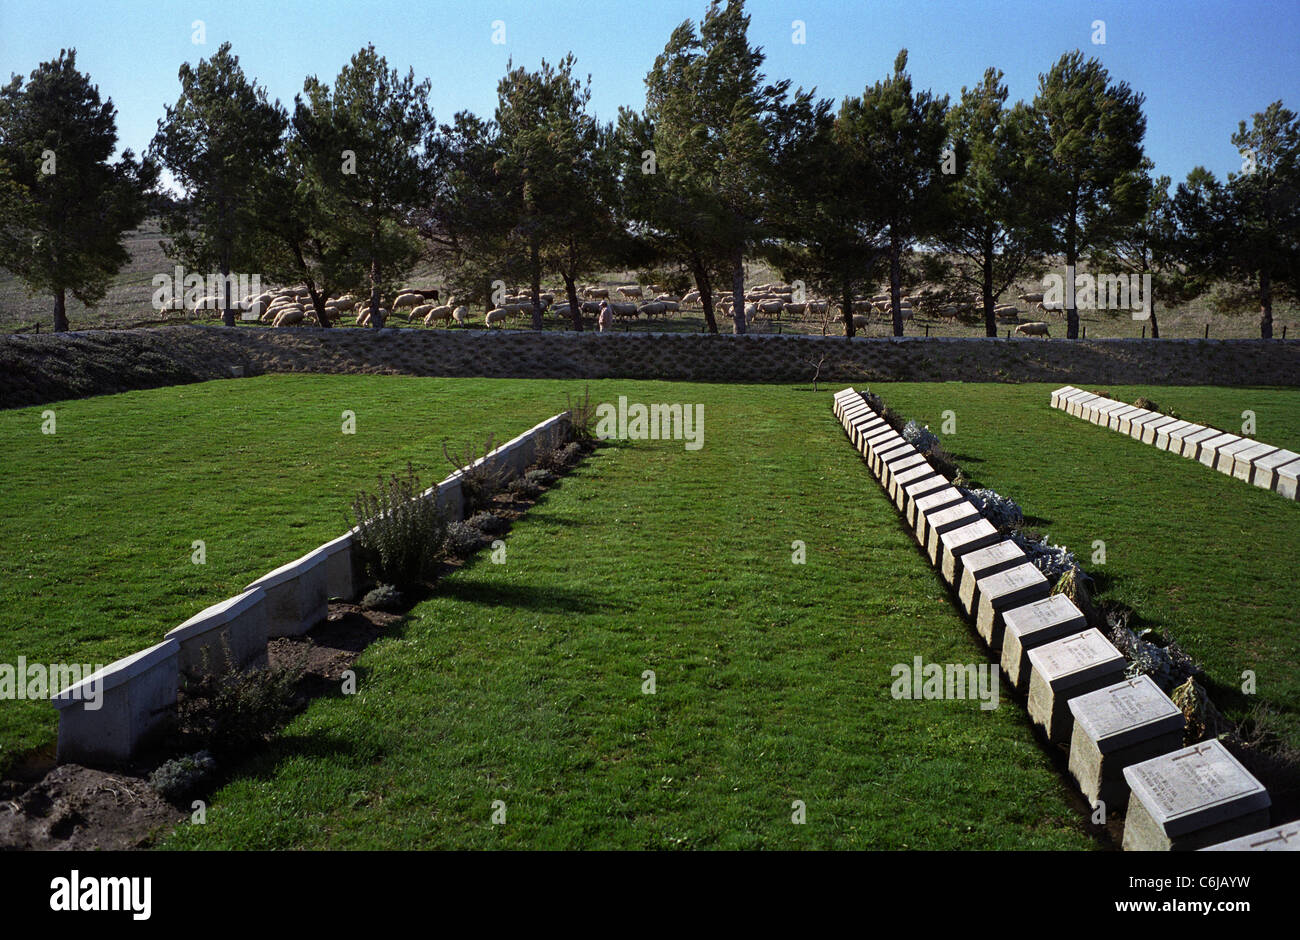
(1192, 798)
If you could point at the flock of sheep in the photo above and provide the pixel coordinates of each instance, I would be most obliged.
(292, 306)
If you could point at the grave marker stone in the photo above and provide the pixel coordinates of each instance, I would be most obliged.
(1227, 458)
(1243, 466)
(1000, 592)
(902, 478)
(1192, 442)
(983, 562)
(1209, 452)
(913, 491)
(1265, 475)
(1064, 669)
(957, 543)
(1116, 727)
(1034, 624)
(1284, 838)
(1191, 798)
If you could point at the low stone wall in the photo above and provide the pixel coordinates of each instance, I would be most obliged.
(35, 369)
(109, 716)
(1124, 735)
(1266, 466)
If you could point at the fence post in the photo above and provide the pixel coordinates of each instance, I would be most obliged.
(1144, 331)
(1207, 331)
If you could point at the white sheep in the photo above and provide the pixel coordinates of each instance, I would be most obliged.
(497, 315)
(1036, 328)
(461, 315)
(434, 314)
(630, 291)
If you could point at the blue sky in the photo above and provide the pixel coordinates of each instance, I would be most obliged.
(1203, 65)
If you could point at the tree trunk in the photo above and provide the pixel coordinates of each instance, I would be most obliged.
(227, 311)
(1265, 306)
(318, 305)
(895, 281)
(376, 320)
(990, 318)
(1151, 302)
(706, 295)
(60, 311)
(1072, 311)
(738, 292)
(318, 297)
(575, 309)
(847, 300)
(1071, 259)
(534, 262)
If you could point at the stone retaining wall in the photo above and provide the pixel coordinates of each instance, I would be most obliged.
(136, 694)
(35, 369)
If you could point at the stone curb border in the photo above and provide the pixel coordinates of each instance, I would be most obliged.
(136, 693)
(1266, 466)
(1124, 735)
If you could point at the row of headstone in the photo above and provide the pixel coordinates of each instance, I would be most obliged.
(134, 695)
(1124, 735)
(1266, 466)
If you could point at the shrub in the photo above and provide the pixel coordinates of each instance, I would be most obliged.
(523, 488)
(384, 597)
(479, 481)
(944, 464)
(398, 532)
(183, 775)
(1052, 560)
(920, 436)
(1202, 718)
(1263, 750)
(998, 509)
(232, 711)
(570, 453)
(1169, 666)
(487, 523)
(582, 417)
(541, 477)
(1150, 405)
(547, 454)
(463, 539)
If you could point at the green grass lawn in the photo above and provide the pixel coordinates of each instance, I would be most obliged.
(522, 682)
(99, 518)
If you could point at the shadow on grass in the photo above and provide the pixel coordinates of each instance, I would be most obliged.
(285, 747)
(543, 599)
